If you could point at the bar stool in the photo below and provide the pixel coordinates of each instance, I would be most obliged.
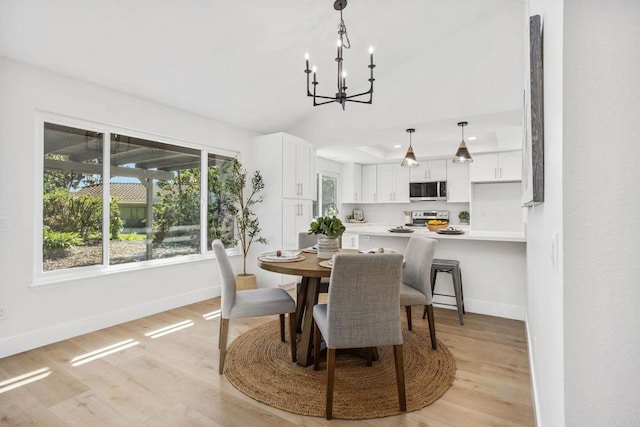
(451, 266)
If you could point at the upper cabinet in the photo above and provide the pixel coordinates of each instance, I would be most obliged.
(369, 183)
(432, 170)
(457, 182)
(352, 183)
(503, 166)
(297, 168)
(393, 184)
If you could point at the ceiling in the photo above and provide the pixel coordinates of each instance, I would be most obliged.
(438, 62)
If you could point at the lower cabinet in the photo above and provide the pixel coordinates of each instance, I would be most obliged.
(350, 241)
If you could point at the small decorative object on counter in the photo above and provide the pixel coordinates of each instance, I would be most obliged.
(463, 217)
(328, 228)
(407, 217)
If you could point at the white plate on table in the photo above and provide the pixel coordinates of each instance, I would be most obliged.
(284, 256)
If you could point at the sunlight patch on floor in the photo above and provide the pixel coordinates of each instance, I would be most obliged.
(102, 352)
(169, 329)
(213, 315)
(24, 379)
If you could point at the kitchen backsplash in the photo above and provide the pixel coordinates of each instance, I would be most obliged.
(393, 213)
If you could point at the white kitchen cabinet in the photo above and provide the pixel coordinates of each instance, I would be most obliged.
(350, 241)
(352, 183)
(296, 218)
(369, 183)
(297, 168)
(287, 164)
(432, 170)
(502, 166)
(457, 182)
(393, 184)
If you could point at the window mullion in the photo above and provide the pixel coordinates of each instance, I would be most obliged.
(204, 187)
(106, 196)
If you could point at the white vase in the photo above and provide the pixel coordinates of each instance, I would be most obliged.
(327, 247)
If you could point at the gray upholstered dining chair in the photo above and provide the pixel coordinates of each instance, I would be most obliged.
(415, 288)
(250, 303)
(362, 311)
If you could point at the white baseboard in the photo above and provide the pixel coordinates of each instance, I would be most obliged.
(485, 307)
(66, 330)
(534, 387)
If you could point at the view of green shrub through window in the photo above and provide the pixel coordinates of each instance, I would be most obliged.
(220, 223)
(72, 220)
(154, 189)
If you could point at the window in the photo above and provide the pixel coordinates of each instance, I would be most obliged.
(327, 195)
(72, 201)
(154, 196)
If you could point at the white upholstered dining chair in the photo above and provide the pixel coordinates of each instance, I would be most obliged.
(415, 288)
(250, 303)
(362, 311)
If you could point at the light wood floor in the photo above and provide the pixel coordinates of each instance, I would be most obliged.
(172, 380)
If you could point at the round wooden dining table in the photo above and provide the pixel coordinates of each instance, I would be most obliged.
(308, 291)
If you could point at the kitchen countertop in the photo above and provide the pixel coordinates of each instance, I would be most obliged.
(383, 230)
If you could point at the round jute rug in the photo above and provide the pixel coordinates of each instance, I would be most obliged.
(259, 365)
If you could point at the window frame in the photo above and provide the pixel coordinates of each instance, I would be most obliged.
(43, 278)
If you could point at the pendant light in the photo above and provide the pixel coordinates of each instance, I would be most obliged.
(462, 155)
(409, 160)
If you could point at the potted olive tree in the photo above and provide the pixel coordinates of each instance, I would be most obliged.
(243, 196)
(328, 228)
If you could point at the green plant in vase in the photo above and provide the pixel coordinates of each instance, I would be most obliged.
(463, 217)
(328, 228)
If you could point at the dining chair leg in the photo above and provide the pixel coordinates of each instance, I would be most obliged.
(331, 366)
(369, 356)
(292, 336)
(399, 362)
(224, 330)
(432, 325)
(282, 327)
(424, 312)
(316, 347)
(220, 334)
(408, 309)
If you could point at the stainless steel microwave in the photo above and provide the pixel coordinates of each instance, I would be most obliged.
(434, 190)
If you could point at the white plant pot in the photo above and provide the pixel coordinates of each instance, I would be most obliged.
(327, 247)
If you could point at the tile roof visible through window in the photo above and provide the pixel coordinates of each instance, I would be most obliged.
(128, 192)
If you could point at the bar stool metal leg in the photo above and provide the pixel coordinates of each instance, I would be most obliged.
(452, 267)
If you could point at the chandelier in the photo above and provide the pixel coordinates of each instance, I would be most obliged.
(341, 96)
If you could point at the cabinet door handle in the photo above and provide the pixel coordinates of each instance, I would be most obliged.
(301, 189)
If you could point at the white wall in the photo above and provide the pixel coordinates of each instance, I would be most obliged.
(600, 173)
(39, 316)
(582, 308)
(496, 206)
(544, 280)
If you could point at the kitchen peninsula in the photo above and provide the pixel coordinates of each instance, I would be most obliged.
(493, 265)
